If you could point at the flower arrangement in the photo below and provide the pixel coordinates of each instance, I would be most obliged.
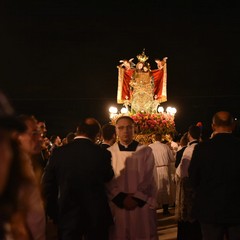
(150, 123)
(147, 124)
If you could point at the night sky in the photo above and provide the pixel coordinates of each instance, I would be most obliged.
(59, 58)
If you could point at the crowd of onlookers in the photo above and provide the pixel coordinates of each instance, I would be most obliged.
(24, 153)
(100, 183)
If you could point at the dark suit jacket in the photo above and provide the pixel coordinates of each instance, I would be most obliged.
(104, 146)
(214, 172)
(179, 156)
(74, 187)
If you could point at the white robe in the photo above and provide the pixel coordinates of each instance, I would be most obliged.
(182, 169)
(135, 173)
(163, 159)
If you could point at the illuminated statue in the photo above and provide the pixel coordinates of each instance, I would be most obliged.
(140, 87)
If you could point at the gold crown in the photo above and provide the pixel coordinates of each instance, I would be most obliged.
(142, 57)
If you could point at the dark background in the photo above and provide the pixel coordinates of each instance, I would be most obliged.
(59, 58)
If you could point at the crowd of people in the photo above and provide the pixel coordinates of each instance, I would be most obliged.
(100, 183)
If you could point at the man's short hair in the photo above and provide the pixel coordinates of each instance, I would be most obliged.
(158, 137)
(108, 130)
(194, 131)
(184, 139)
(89, 127)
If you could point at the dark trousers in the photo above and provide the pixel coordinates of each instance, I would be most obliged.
(220, 232)
(189, 231)
(165, 208)
(94, 234)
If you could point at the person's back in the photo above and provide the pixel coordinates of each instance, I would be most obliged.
(163, 157)
(214, 173)
(218, 191)
(77, 172)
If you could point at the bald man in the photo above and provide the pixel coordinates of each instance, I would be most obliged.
(214, 174)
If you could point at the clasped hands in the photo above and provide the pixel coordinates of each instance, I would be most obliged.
(129, 203)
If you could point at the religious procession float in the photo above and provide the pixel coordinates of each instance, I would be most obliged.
(141, 91)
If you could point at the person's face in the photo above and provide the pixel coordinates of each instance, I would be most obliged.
(42, 128)
(5, 162)
(58, 141)
(45, 143)
(139, 66)
(125, 131)
(145, 69)
(31, 140)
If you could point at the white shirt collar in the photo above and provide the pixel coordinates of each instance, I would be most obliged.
(78, 137)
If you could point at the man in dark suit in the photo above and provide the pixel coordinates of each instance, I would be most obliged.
(214, 174)
(74, 186)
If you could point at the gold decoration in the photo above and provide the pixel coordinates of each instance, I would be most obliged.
(142, 57)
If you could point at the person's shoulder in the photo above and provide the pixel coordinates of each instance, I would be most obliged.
(143, 148)
(233, 137)
(99, 148)
(181, 150)
(83, 143)
(156, 143)
(228, 139)
(174, 144)
(114, 147)
(58, 150)
(152, 145)
(160, 145)
(204, 145)
(62, 151)
(104, 145)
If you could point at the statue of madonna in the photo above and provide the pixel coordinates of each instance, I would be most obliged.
(140, 86)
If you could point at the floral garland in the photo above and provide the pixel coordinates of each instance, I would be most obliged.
(147, 124)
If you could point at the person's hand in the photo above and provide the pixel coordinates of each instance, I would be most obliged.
(129, 203)
(165, 59)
